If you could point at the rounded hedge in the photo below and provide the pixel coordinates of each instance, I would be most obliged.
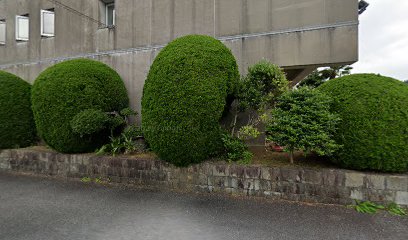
(184, 97)
(17, 128)
(374, 126)
(67, 89)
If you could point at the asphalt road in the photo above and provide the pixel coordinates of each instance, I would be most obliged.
(40, 208)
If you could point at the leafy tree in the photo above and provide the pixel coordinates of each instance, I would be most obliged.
(262, 85)
(335, 72)
(318, 77)
(313, 80)
(406, 81)
(302, 121)
(257, 92)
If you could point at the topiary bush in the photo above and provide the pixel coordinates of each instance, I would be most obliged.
(184, 97)
(374, 127)
(65, 90)
(17, 128)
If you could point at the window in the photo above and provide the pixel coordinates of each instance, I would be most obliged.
(22, 28)
(107, 13)
(2, 32)
(47, 23)
(110, 14)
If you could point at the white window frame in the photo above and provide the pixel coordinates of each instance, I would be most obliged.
(3, 22)
(42, 23)
(19, 38)
(107, 5)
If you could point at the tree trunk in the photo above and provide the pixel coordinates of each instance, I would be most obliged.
(234, 124)
(291, 157)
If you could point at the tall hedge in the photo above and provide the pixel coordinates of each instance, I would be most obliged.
(184, 98)
(374, 127)
(68, 88)
(17, 128)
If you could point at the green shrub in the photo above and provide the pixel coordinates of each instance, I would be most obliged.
(184, 98)
(263, 84)
(89, 121)
(374, 127)
(128, 142)
(65, 90)
(235, 150)
(133, 132)
(17, 128)
(302, 121)
(257, 93)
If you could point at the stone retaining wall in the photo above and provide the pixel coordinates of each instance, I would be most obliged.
(289, 183)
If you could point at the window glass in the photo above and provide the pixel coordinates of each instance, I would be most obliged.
(22, 28)
(110, 14)
(47, 23)
(2, 32)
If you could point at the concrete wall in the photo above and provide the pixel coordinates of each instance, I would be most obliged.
(323, 185)
(298, 35)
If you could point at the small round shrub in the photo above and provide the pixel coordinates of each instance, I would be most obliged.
(17, 128)
(374, 126)
(68, 88)
(184, 98)
(89, 121)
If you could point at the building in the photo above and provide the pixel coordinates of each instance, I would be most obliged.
(298, 35)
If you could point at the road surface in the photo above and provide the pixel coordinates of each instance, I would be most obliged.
(41, 208)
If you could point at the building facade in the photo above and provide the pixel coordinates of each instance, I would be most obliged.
(298, 35)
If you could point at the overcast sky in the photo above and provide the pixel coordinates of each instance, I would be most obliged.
(384, 39)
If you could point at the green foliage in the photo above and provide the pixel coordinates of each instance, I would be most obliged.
(318, 77)
(263, 84)
(184, 97)
(374, 127)
(335, 72)
(372, 208)
(116, 121)
(235, 150)
(313, 80)
(122, 144)
(127, 112)
(127, 141)
(246, 158)
(114, 147)
(248, 132)
(367, 207)
(89, 122)
(92, 121)
(257, 92)
(86, 180)
(98, 180)
(396, 210)
(302, 121)
(17, 128)
(133, 132)
(65, 90)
